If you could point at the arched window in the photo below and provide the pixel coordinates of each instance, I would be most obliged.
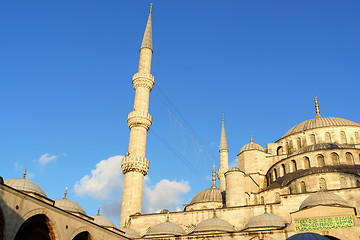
(275, 174)
(287, 148)
(320, 160)
(343, 137)
(291, 146)
(290, 190)
(327, 137)
(349, 158)
(302, 187)
(283, 169)
(278, 198)
(293, 166)
(343, 182)
(357, 137)
(306, 162)
(299, 142)
(335, 159)
(312, 139)
(322, 184)
(279, 150)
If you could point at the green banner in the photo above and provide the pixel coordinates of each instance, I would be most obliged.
(324, 223)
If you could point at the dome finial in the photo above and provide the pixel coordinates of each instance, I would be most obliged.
(214, 177)
(25, 172)
(317, 108)
(251, 139)
(99, 211)
(150, 8)
(65, 194)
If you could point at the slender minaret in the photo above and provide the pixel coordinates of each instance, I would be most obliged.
(224, 165)
(134, 165)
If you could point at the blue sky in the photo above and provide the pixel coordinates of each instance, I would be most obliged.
(65, 87)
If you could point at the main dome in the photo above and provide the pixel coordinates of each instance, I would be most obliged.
(320, 122)
(25, 185)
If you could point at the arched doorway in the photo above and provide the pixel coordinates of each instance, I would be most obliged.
(83, 236)
(37, 227)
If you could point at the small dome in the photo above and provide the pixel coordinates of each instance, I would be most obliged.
(208, 195)
(323, 198)
(103, 221)
(130, 233)
(307, 236)
(266, 220)
(214, 224)
(234, 169)
(166, 228)
(320, 122)
(252, 146)
(23, 184)
(69, 205)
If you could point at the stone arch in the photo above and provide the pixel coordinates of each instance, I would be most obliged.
(343, 137)
(81, 233)
(320, 160)
(357, 137)
(306, 162)
(37, 227)
(327, 137)
(303, 187)
(322, 184)
(283, 169)
(335, 159)
(312, 139)
(52, 225)
(2, 224)
(293, 166)
(343, 182)
(279, 150)
(349, 158)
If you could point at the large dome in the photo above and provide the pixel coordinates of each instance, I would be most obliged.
(212, 194)
(323, 198)
(320, 122)
(69, 205)
(266, 220)
(214, 224)
(23, 184)
(166, 228)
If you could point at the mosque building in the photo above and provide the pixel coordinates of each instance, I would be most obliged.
(306, 185)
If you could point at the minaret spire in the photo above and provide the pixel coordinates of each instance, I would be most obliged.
(134, 165)
(317, 108)
(224, 164)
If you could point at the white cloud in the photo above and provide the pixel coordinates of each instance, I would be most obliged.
(46, 158)
(105, 178)
(164, 195)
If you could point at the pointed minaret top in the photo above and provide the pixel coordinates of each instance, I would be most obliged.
(214, 177)
(147, 40)
(317, 108)
(223, 143)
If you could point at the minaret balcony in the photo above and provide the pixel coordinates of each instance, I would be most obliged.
(135, 163)
(139, 119)
(143, 80)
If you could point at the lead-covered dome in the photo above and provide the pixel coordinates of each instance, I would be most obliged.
(320, 122)
(103, 221)
(212, 194)
(69, 205)
(130, 233)
(252, 146)
(266, 220)
(23, 184)
(323, 198)
(166, 228)
(214, 224)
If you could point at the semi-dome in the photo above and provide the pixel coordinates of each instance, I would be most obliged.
(252, 146)
(130, 233)
(214, 224)
(307, 236)
(69, 205)
(166, 228)
(320, 122)
(23, 184)
(323, 198)
(266, 220)
(212, 194)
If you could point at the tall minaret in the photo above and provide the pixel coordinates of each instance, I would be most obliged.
(224, 165)
(134, 165)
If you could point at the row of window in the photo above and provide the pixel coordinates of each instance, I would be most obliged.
(344, 183)
(302, 142)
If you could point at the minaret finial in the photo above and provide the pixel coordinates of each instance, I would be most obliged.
(222, 118)
(150, 8)
(317, 108)
(25, 172)
(65, 194)
(99, 211)
(214, 177)
(251, 139)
